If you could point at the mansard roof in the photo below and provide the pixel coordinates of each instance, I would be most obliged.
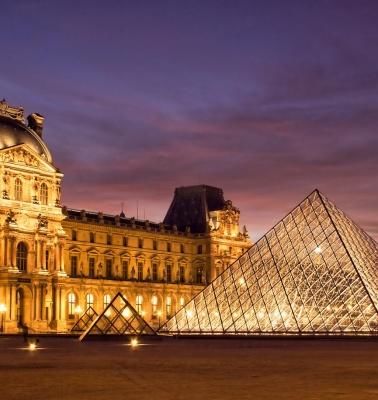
(191, 205)
(121, 221)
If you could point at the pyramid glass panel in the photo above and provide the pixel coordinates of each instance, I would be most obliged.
(315, 272)
(119, 318)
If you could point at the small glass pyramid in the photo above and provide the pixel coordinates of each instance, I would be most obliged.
(119, 318)
(315, 272)
(85, 320)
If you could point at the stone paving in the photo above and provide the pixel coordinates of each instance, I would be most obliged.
(167, 368)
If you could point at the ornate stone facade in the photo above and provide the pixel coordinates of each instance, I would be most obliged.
(55, 262)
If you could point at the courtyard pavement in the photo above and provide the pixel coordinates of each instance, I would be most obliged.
(167, 368)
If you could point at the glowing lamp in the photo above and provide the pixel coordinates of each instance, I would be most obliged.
(134, 342)
(32, 346)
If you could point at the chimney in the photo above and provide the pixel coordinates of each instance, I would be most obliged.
(35, 122)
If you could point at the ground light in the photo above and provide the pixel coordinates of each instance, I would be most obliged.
(134, 342)
(32, 346)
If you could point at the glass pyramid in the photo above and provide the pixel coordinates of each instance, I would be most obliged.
(85, 320)
(118, 318)
(315, 272)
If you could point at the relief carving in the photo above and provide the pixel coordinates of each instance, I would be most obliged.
(19, 156)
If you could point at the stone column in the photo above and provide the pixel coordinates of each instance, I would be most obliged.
(42, 302)
(2, 252)
(61, 257)
(37, 303)
(13, 251)
(8, 252)
(43, 254)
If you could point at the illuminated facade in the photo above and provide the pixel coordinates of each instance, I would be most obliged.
(56, 262)
(315, 272)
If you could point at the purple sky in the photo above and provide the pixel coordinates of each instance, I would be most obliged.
(266, 99)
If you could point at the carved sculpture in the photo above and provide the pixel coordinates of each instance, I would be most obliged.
(42, 222)
(16, 113)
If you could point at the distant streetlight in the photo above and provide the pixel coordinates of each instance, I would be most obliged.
(3, 310)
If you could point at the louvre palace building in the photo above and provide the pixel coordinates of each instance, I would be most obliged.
(56, 262)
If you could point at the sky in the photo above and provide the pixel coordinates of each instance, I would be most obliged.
(265, 99)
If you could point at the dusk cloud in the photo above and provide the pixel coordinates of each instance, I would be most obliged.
(266, 101)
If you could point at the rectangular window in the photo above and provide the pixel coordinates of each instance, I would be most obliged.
(125, 241)
(155, 272)
(169, 247)
(92, 238)
(74, 235)
(140, 272)
(47, 260)
(91, 267)
(108, 239)
(169, 273)
(199, 249)
(182, 248)
(168, 304)
(140, 243)
(199, 275)
(125, 269)
(108, 268)
(155, 245)
(138, 304)
(182, 274)
(73, 265)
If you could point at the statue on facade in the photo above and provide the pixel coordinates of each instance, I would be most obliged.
(16, 113)
(100, 270)
(245, 232)
(42, 222)
(11, 217)
(132, 273)
(148, 274)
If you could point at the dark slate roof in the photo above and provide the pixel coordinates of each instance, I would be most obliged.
(191, 205)
(119, 220)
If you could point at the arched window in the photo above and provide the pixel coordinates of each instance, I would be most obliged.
(138, 303)
(71, 305)
(182, 302)
(168, 304)
(154, 302)
(44, 194)
(107, 300)
(89, 299)
(22, 256)
(18, 189)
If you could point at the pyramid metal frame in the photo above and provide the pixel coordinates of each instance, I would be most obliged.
(113, 321)
(314, 272)
(85, 320)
